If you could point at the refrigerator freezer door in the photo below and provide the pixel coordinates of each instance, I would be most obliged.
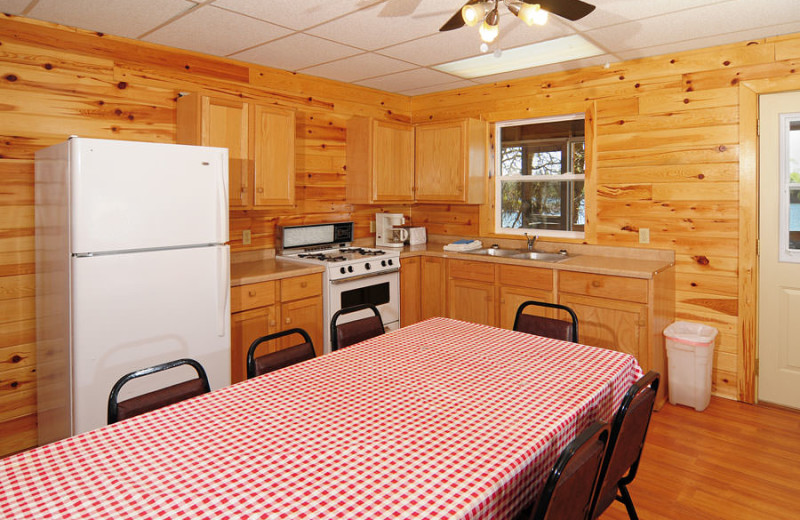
(130, 196)
(136, 310)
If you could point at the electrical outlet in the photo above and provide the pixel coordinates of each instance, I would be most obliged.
(644, 235)
(246, 236)
(371, 226)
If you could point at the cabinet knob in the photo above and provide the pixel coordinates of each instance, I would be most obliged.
(271, 323)
(303, 284)
(288, 320)
(596, 283)
(251, 293)
(259, 190)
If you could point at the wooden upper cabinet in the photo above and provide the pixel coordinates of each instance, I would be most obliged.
(260, 143)
(380, 161)
(450, 161)
(273, 155)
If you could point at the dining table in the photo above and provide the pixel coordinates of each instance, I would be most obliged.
(442, 419)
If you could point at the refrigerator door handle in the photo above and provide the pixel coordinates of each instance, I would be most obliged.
(223, 289)
(222, 201)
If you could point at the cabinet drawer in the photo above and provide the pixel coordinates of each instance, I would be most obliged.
(531, 277)
(252, 295)
(466, 270)
(299, 287)
(614, 287)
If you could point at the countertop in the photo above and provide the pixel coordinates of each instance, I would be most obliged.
(263, 270)
(584, 263)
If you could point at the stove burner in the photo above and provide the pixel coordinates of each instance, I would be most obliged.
(322, 257)
(363, 252)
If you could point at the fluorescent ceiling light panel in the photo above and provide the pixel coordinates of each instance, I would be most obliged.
(525, 57)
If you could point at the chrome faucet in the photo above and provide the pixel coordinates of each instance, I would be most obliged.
(531, 241)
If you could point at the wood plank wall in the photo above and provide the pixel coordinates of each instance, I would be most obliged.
(667, 143)
(668, 159)
(56, 81)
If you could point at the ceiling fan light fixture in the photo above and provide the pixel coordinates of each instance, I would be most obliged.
(530, 14)
(473, 14)
(490, 28)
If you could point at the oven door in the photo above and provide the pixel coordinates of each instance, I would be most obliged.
(381, 290)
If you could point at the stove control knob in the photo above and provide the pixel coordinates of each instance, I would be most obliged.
(383, 263)
(390, 262)
(350, 268)
(342, 270)
(367, 266)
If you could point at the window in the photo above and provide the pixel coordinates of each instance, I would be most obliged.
(790, 188)
(540, 180)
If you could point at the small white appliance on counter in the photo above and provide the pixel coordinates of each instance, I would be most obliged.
(388, 232)
(353, 275)
(417, 236)
(132, 270)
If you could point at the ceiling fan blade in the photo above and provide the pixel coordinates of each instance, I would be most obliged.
(569, 9)
(456, 20)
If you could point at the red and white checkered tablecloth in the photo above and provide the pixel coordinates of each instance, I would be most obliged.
(440, 420)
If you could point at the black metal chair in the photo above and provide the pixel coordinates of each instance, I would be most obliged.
(570, 489)
(257, 366)
(119, 410)
(354, 331)
(549, 327)
(628, 433)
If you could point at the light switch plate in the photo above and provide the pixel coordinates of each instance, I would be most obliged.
(371, 226)
(644, 235)
(246, 237)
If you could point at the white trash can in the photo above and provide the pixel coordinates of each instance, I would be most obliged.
(690, 352)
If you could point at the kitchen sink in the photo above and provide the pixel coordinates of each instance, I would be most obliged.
(494, 251)
(542, 257)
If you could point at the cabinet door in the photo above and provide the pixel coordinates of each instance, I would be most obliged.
(207, 121)
(246, 327)
(512, 297)
(273, 139)
(432, 287)
(410, 289)
(439, 162)
(307, 315)
(472, 301)
(393, 163)
(612, 324)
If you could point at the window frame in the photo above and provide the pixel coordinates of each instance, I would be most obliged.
(786, 254)
(563, 178)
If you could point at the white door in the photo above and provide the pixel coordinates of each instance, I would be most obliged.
(779, 259)
(135, 310)
(128, 195)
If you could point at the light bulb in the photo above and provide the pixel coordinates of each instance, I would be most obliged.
(484, 47)
(472, 14)
(532, 14)
(490, 28)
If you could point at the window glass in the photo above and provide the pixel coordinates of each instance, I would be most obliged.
(540, 168)
(793, 185)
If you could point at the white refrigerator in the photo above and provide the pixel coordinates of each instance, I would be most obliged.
(132, 270)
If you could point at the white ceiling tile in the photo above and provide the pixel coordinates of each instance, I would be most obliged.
(613, 12)
(366, 30)
(298, 14)
(546, 69)
(117, 17)
(216, 31)
(14, 6)
(295, 52)
(695, 23)
(407, 80)
(358, 67)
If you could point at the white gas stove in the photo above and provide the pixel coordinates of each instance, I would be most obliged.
(353, 275)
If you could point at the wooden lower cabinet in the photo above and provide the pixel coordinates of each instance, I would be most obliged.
(471, 291)
(410, 290)
(267, 307)
(432, 287)
(519, 284)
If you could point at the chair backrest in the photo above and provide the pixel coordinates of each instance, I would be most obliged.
(569, 490)
(628, 433)
(357, 330)
(549, 327)
(257, 366)
(119, 410)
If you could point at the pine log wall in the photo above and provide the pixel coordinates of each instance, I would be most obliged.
(667, 158)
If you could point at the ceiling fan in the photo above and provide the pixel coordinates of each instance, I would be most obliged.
(529, 11)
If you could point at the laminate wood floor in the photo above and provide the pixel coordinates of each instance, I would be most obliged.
(732, 461)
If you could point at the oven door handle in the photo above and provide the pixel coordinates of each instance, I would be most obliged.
(362, 276)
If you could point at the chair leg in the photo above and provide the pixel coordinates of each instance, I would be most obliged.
(625, 497)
